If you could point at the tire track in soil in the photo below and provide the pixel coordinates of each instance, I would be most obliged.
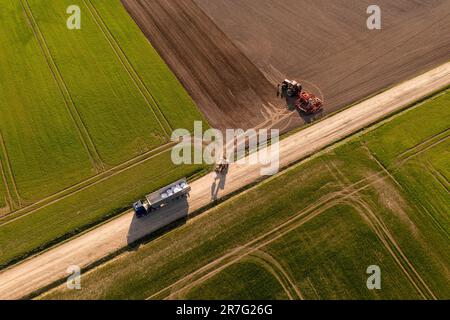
(8, 197)
(272, 265)
(88, 182)
(423, 146)
(384, 234)
(391, 244)
(240, 252)
(378, 55)
(438, 77)
(81, 186)
(125, 62)
(273, 117)
(268, 263)
(229, 89)
(7, 164)
(243, 251)
(380, 164)
(438, 176)
(324, 201)
(76, 187)
(428, 167)
(83, 132)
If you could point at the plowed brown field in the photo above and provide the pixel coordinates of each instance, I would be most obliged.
(231, 53)
(228, 88)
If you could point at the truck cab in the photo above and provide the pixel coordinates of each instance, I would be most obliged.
(139, 209)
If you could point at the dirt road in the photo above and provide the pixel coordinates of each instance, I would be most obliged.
(41, 270)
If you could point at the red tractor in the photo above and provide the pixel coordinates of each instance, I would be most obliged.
(308, 103)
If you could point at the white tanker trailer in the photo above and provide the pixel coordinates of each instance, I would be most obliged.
(162, 197)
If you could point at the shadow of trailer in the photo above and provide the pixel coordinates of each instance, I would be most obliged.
(161, 198)
(158, 221)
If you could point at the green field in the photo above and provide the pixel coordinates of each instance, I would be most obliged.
(238, 281)
(323, 262)
(43, 146)
(71, 214)
(85, 120)
(379, 198)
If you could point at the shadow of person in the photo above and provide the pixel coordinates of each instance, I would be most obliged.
(218, 184)
(214, 190)
(170, 214)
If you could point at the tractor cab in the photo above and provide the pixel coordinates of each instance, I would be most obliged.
(289, 88)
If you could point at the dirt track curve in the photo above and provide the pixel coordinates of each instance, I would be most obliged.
(43, 269)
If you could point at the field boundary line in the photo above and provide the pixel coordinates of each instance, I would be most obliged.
(135, 77)
(77, 188)
(8, 166)
(83, 132)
